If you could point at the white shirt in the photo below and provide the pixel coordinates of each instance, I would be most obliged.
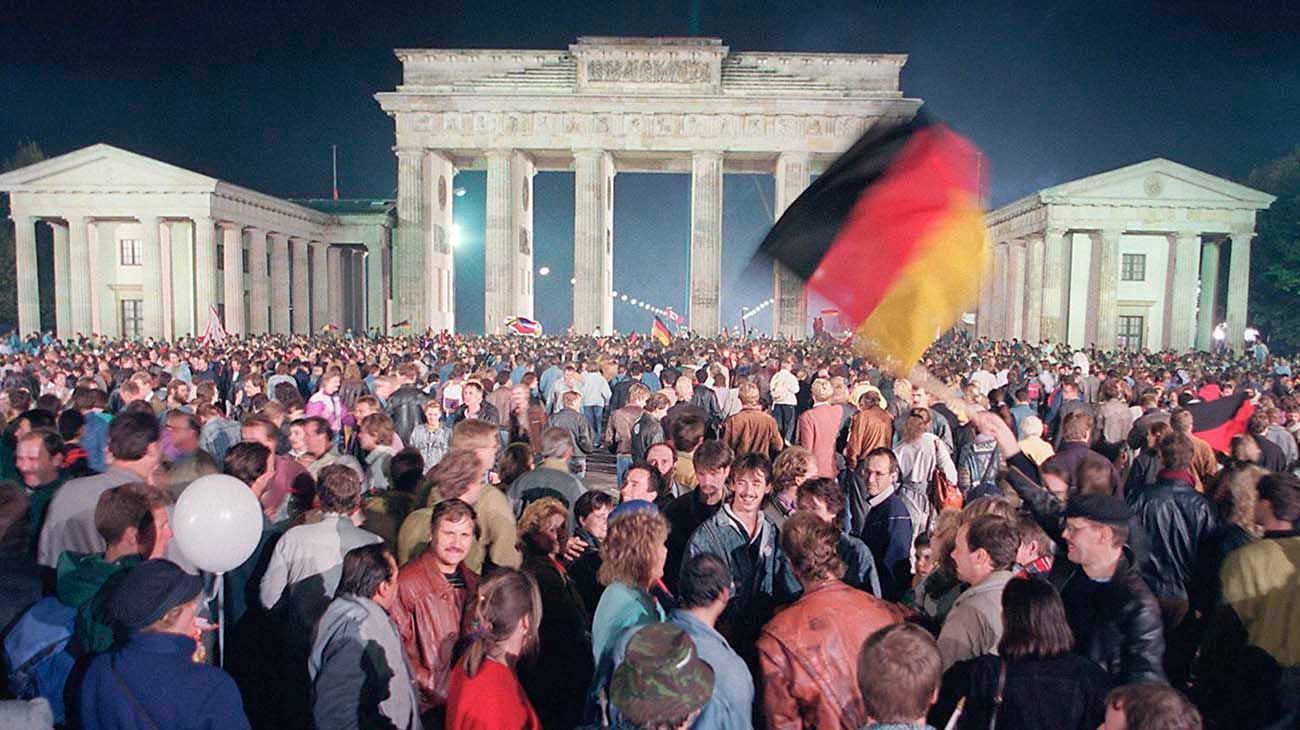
(785, 386)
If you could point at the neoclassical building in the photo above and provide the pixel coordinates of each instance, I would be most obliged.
(1129, 258)
(143, 248)
(602, 106)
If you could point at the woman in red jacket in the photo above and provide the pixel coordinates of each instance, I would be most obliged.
(483, 692)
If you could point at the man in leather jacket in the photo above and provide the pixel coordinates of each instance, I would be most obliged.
(406, 404)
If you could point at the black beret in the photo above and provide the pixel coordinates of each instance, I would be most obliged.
(1103, 508)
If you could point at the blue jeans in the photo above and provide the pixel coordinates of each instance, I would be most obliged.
(621, 465)
(594, 414)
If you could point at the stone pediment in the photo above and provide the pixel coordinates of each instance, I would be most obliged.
(103, 168)
(1159, 183)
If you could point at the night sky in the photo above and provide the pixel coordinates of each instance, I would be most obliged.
(256, 92)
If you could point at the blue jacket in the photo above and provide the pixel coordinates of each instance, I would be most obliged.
(731, 707)
(157, 669)
(887, 531)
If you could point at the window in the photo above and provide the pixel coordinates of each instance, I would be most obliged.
(246, 267)
(221, 257)
(1133, 267)
(132, 251)
(1130, 332)
(132, 317)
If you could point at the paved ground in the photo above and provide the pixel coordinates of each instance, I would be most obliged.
(601, 471)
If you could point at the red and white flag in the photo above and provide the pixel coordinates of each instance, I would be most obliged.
(215, 331)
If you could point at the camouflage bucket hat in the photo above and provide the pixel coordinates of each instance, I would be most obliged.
(662, 676)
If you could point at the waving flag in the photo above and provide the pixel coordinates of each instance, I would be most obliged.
(1217, 421)
(523, 326)
(403, 323)
(216, 332)
(891, 234)
(660, 332)
(672, 316)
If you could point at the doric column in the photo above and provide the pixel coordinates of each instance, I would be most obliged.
(259, 284)
(320, 286)
(79, 268)
(789, 296)
(205, 273)
(1033, 322)
(1055, 285)
(62, 281)
(509, 237)
(439, 259)
(1205, 314)
(706, 243)
(1107, 288)
(410, 246)
(301, 287)
(166, 279)
(593, 250)
(232, 242)
(152, 282)
(1015, 289)
(334, 268)
(1238, 288)
(29, 294)
(1180, 291)
(377, 291)
(280, 283)
(1001, 307)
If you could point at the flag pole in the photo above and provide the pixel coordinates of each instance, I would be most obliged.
(334, 157)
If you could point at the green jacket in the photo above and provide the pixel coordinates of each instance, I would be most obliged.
(85, 581)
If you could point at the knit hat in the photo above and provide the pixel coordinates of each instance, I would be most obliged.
(661, 678)
(149, 591)
(1103, 508)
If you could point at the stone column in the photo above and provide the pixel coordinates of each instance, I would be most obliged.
(167, 278)
(984, 310)
(1015, 288)
(334, 270)
(29, 295)
(789, 296)
(1107, 288)
(1033, 296)
(509, 237)
(232, 242)
(409, 247)
(320, 287)
(79, 268)
(439, 259)
(593, 255)
(259, 284)
(1238, 288)
(1180, 292)
(1209, 295)
(377, 292)
(205, 273)
(1055, 285)
(152, 283)
(706, 243)
(62, 281)
(1001, 307)
(280, 283)
(522, 172)
(301, 287)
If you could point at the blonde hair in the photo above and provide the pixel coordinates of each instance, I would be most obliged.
(535, 516)
(822, 390)
(629, 548)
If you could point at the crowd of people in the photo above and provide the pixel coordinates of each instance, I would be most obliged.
(484, 532)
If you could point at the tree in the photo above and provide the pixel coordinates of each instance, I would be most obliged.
(26, 154)
(1275, 255)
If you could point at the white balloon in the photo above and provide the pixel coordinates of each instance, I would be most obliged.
(217, 522)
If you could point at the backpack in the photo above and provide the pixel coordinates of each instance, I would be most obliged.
(36, 651)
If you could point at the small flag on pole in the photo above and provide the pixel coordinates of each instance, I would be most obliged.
(523, 326)
(403, 323)
(660, 332)
(892, 235)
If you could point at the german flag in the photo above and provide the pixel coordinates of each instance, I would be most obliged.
(1217, 421)
(660, 332)
(891, 234)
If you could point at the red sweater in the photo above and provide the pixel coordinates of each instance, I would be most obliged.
(490, 700)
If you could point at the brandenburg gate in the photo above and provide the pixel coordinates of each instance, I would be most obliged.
(604, 106)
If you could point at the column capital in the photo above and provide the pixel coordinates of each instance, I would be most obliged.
(498, 153)
(274, 236)
(706, 155)
(408, 152)
(793, 156)
(1242, 234)
(227, 225)
(1184, 235)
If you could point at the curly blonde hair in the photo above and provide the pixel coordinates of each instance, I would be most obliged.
(533, 521)
(629, 548)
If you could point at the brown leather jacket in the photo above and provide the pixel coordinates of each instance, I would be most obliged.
(431, 617)
(752, 432)
(809, 657)
(871, 429)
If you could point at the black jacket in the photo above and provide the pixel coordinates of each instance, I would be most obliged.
(1116, 623)
(1075, 687)
(1177, 520)
(646, 432)
(406, 408)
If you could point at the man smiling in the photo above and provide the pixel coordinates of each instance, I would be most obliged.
(748, 540)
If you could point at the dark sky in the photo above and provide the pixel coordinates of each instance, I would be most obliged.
(256, 92)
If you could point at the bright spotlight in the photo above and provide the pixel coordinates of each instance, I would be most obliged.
(460, 192)
(544, 271)
(455, 235)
